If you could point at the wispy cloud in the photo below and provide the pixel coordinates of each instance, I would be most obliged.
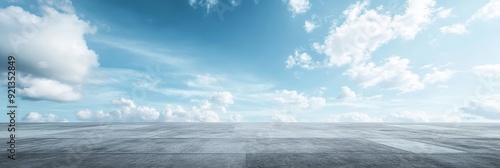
(488, 12)
(146, 50)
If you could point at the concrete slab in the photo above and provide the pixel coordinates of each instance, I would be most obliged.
(255, 145)
(414, 146)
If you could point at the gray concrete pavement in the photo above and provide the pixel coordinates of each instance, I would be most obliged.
(254, 145)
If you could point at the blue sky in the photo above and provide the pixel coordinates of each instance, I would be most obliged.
(253, 61)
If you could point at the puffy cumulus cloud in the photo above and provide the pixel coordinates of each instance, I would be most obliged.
(393, 74)
(207, 111)
(84, 114)
(303, 60)
(362, 33)
(489, 11)
(365, 30)
(293, 98)
(53, 44)
(126, 110)
(51, 47)
(354, 117)
(202, 113)
(37, 117)
(47, 89)
(438, 76)
(309, 26)
(489, 71)
(87, 115)
(298, 6)
(454, 29)
(487, 107)
(223, 97)
(347, 94)
(283, 118)
(417, 14)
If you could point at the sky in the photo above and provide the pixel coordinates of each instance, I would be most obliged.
(253, 60)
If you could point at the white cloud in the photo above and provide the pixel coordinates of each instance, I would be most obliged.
(404, 116)
(224, 97)
(124, 102)
(215, 5)
(354, 117)
(63, 5)
(394, 74)
(151, 52)
(490, 11)
(409, 116)
(491, 70)
(454, 29)
(283, 118)
(293, 98)
(309, 26)
(202, 113)
(87, 115)
(53, 45)
(317, 101)
(313, 23)
(303, 60)
(298, 6)
(487, 106)
(444, 13)
(207, 111)
(37, 117)
(47, 89)
(417, 14)
(202, 81)
(205, 3)
(84, 114)
(365, 30)
(50, 49)
(236, 118)
(192, 2)
(438, 76)
(347, 94)
(362, 33)
(126, 110)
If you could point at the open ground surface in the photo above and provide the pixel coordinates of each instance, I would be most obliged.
(254, 145)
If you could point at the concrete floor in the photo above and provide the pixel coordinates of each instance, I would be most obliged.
(254, 145)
